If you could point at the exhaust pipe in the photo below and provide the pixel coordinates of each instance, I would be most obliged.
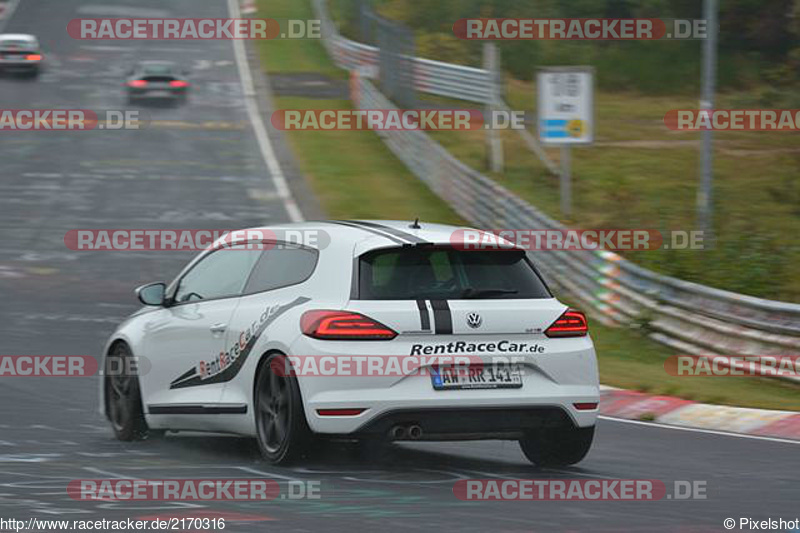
(397, 432)
(414, 432)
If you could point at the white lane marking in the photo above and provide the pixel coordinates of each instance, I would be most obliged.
(104, 48)
(700, 430)
(451, 476)
(265, 474)
(278, 179)
(122, 11)
(106, 473)
(28, 457)
(518, 475)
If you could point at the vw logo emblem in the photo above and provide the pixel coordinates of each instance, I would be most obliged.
(474, 320)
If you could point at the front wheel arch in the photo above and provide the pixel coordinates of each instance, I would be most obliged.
(102, 369)
(133, 424)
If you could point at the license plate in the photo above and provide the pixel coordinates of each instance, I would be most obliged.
(489, 376)
(159, 94)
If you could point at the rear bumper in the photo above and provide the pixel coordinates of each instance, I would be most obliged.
(552, 382)
(466, 424)
(414, 401)
(156, 93)
(19, 63)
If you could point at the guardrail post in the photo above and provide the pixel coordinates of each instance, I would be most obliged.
(494, 145)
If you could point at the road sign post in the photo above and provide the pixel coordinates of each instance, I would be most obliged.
(705, 191)
(565, 116)
(565, 187)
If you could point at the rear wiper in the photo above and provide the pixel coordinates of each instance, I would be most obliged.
(470, 292)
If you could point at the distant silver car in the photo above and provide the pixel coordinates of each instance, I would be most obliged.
(20, 52)
(157, 79)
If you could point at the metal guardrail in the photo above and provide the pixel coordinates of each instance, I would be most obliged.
(432, 77)
(691, 318)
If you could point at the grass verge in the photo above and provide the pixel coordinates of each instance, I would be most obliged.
(640, 174)
(356, 176)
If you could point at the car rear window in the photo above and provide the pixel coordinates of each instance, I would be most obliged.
(157, 70)
(14, 43)
(441, 273)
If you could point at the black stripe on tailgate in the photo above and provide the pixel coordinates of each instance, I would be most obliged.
(442, 317)
(424, 316)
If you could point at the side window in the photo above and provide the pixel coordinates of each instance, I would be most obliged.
(282, 266)
(221, 274)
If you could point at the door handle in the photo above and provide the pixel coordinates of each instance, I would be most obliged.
(218, 328)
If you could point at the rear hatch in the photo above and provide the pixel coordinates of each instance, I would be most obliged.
(486, 309)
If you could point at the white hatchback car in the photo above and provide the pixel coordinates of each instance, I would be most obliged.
(218, 339)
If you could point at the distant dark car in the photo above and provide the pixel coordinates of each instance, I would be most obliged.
(157, 80)
(20, 52)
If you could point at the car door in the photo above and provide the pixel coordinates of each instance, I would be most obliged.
(274, 288)
(186, 341)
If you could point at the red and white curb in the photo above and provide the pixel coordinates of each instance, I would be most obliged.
(249, 7)
(633, 405)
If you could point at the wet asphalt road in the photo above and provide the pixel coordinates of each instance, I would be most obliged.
(199, 166)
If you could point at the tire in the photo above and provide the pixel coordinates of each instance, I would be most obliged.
(123, 397)
(282, 430)
(557, 446)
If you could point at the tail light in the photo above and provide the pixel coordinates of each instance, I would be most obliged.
(340, 412)
(179, 84)
(343, 325)
(33, 57)
(570, 324)
(137, 83)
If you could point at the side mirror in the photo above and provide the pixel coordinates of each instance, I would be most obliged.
(152, 294)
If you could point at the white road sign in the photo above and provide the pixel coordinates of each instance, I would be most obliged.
(566, 105)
